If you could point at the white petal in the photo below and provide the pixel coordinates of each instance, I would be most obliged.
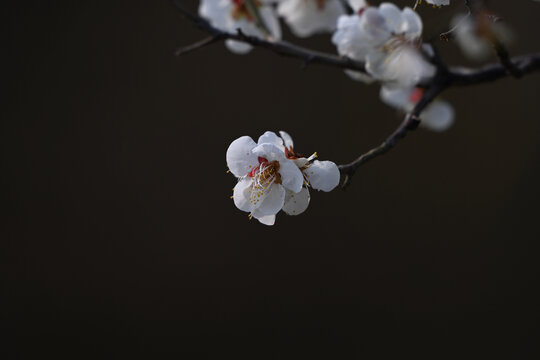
(350, 39)
(291, 176)
(323, 175)
(404, 66)
(392, 17)
(296, 204)
(360, 76)
(412, 24)
(375, 26)
(357, 4)
(309, 17)
(267, 220)
(241, 194)
(238, 47)
(439, 116)
(396, 97)
(240, 158)
(287, 139)
(272, 202)
(270, 18)
(270, 137)
(269, 151)
(217, 12)
(438, 2)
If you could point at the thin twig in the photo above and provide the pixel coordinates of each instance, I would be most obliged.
(461, 76)
(200, 44)
(409, 123)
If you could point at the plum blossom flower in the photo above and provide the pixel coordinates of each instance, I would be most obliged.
(307, 17)
(475, 35)
(230, 15)
(387, 40)
(271, 177)
(437, 116)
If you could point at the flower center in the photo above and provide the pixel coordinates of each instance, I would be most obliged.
(241, 10)
(394, 42)
(264, 175)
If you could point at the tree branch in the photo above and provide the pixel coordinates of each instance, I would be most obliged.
(282, 48)
(461, 76)
(411, 121)
(445, 77)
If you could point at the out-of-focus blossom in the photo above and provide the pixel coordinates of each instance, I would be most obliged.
(475, 35)
(357, 5)
(387, 39)
(438, 2)
(307, 17)
(229, 15)
(271, 177)
(437, 116)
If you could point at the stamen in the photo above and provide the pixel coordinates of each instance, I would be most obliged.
(264, 176)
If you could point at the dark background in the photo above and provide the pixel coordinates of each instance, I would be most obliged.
(119, 238)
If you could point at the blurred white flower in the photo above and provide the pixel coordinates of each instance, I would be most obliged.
(387, 40)
(271, 177)
(438, 2)
(307, 17)
(437, 116)
(357, 5)
(230, 15)
(475, 35)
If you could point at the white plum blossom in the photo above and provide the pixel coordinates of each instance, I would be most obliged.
(437, 116)
(387, 40)
(307, 17)
(271, 177)
(475, 35)
(231, 15)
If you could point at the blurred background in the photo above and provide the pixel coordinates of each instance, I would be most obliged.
(119, 238)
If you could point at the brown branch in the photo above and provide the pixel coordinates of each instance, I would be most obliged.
(461, 76)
